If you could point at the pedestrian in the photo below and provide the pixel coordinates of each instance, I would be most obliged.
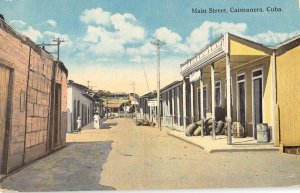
(96, 121)
(79, 124)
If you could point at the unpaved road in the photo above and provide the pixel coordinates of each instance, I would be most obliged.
(126, 157)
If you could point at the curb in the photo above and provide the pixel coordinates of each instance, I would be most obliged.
(190, 142)
(225, 149)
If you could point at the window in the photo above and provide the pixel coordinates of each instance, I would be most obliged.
(257, 73)
(199, 102)
(205, 100)
(218, 101)
(241, 77)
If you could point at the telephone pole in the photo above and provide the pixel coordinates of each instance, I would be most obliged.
(58, 42)
(158, 44)
(133, 86)
(88, 84)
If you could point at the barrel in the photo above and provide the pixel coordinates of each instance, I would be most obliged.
(262, 133)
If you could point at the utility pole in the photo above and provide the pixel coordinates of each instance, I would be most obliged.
(133, 86)
(158, 44)
(88, 82)
(58, 42)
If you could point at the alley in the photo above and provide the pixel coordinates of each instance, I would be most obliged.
(125, 157)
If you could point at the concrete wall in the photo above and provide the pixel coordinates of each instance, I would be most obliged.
(75, 94)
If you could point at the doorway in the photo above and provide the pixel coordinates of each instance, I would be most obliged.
(241, 100)
(5, 95)
(257, 99)
(57, 116)
(205, 100)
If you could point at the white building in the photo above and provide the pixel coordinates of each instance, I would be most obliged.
(80, 103)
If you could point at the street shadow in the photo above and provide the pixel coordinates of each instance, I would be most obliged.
(108, 125)
(77, 167)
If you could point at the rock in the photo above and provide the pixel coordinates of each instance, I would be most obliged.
(220, 126)
(152, 124)
(138, 123)
(197, 132)
(198, 123)
(145, 123)
(208, 121)
(190, 129)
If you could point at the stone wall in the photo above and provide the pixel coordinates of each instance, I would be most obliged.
(32, 72)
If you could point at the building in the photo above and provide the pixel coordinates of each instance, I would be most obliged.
(172, 109)
(82, 102)
(146, 111)
(33, 101)
(261, 82)
(119, 96)
(287, 80)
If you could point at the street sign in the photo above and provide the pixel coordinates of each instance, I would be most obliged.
(152, 103)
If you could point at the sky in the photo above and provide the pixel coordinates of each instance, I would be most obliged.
(108, 42)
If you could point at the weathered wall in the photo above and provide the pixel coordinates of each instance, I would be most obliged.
(38, 107)
(15, 55)
(288, 79)
(31, 68)
(62, 78)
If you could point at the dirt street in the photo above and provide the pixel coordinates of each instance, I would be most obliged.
(125, 157)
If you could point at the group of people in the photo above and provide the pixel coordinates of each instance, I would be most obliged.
(97, 122)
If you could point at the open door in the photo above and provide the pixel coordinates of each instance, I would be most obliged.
(257, 100)
(241, 100)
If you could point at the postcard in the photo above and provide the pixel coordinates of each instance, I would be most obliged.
(149, 95)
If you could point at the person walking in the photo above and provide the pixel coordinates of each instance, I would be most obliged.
(96, 121)
(79, 124)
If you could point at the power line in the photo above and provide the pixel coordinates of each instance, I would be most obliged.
(58, 42)
(144, 70)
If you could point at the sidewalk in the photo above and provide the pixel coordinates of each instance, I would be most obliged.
(220, 144)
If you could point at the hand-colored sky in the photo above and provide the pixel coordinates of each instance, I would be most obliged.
(105, 38)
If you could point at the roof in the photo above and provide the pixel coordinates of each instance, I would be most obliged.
(207, 45)
(171, 85)
(149, 95)
(80, 86)
(287, 45)
(288, 41)
(86, 91)
(62, 66)
(114, 105)
(253, 43)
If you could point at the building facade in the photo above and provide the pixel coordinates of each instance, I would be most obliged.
(256, 78)
(146, 111)
(171, 105)
(33, 101)
(80, 104)
(262, 83)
